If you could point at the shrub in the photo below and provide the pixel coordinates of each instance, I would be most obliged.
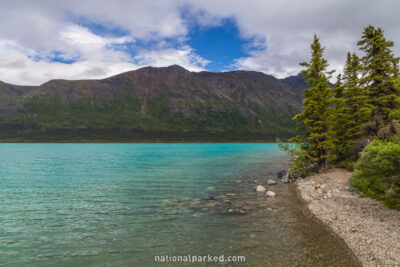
(378, 172)
(301, 163)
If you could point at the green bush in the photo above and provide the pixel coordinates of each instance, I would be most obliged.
(301, 163)
(378, 172)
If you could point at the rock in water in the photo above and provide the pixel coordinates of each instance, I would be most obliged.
(260, 188)
(285, 179)
(272, 182)
(271, 194)
(281, 174)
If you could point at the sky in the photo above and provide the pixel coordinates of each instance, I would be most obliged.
(93, 39)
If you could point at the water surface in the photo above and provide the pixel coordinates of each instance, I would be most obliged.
(123, 204)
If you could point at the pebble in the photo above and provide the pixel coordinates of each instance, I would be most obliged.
(270, 194)
(260, 188)
(356, 221)
(272, 182)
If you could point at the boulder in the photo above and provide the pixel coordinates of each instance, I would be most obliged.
(270, 194)
(260, 188)
(281, 174)
(272, 182)
(285, 179)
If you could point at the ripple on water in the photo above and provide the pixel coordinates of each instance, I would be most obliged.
(122, 204)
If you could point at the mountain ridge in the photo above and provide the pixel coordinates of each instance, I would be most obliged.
(168, 101)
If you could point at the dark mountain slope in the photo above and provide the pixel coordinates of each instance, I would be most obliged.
(151, 104)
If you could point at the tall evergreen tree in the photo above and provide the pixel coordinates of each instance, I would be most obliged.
(338, 89)
(313, 121)
(355, 99)
(336, 123)
(351, 112)
(380, 72)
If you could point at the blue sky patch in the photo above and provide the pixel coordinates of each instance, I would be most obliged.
(55, 56)
(221, 44)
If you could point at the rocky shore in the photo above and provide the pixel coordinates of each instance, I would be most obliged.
(370, 229)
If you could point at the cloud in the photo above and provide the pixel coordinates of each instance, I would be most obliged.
(46, 39)
(184, 57)
(287, 26)
(96, 60)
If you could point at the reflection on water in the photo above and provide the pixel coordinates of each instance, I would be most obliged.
(123, 204)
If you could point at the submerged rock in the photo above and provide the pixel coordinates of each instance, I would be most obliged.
(260, 188)
(236, 212)
(272, 182)
(195, 202)
(270, 194)
(211, 204)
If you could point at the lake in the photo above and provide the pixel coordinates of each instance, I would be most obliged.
(125, 204)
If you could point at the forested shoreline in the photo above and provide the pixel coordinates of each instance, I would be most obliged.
(355, 123)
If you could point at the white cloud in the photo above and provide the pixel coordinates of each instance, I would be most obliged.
(184, 57)
(33, 32)
(38, 29)
(288, 27)
(96, 61)
(93, 57)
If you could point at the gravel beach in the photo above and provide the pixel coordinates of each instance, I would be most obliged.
(370, 229)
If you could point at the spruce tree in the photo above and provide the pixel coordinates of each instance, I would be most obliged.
(355, 99)
(380, 72)
(338, 89)
(313, 121)
(336, 123)
(351, 112)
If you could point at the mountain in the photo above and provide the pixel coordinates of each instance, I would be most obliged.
(153, 104)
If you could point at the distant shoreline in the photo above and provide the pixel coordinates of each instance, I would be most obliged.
(113, 136)
(130, 141)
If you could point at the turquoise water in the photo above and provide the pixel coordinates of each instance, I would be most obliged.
(123, 204)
